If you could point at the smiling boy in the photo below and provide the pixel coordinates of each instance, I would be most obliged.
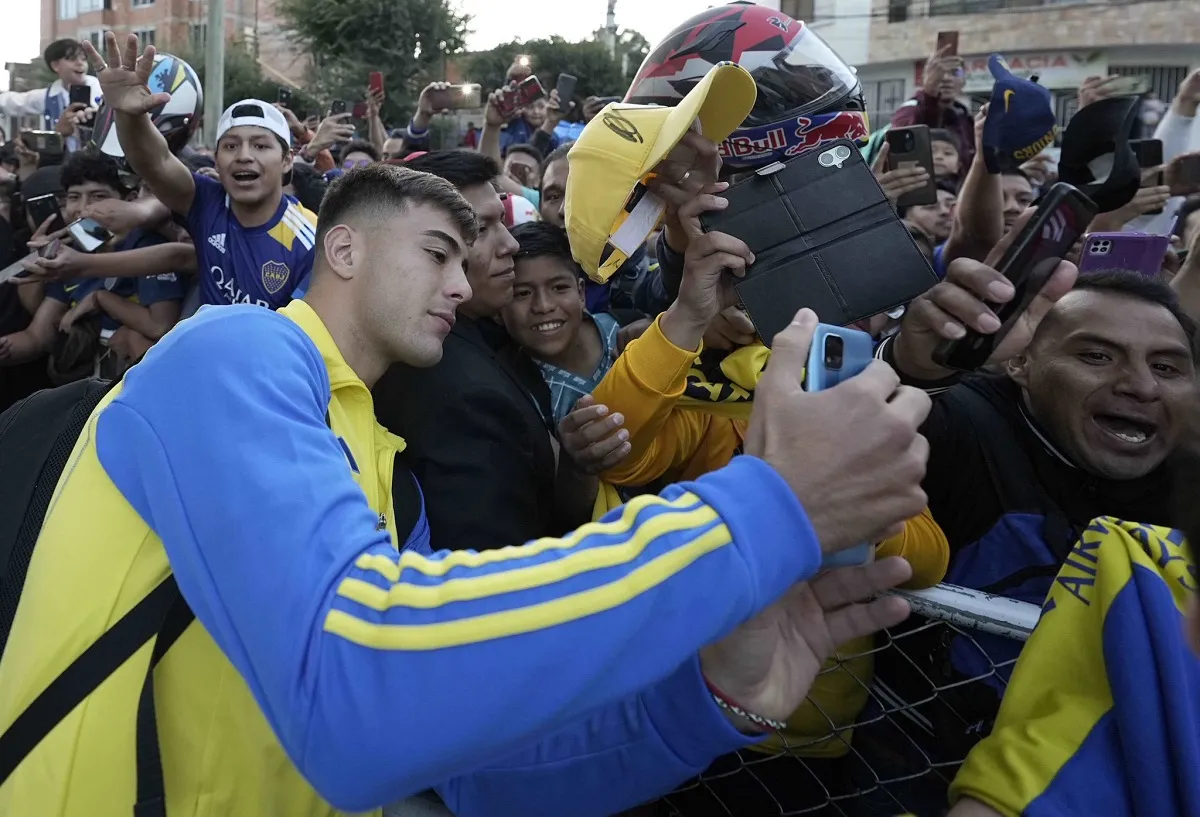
(573, 348)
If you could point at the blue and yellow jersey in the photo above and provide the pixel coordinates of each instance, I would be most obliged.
(1102, 715)
(147, 290)
(261, 266)
(335, 662)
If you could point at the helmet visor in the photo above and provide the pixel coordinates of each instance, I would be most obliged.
(805, 77)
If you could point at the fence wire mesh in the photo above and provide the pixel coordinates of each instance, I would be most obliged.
(900, 749)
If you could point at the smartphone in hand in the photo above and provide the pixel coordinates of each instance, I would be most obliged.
(837, 354)
(566, 90)
(80, 95)
(43, 207)
(338, 106)
(912, 147)
(375, 82)
(948, 40)
(284, 97)
(1062, 216)
(88, 234)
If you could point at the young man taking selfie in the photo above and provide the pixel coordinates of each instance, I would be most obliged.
(339, 663)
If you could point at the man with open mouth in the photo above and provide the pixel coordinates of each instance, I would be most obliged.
(254, 244)
(1084, 406)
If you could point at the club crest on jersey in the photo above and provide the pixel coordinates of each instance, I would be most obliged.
(274, 275)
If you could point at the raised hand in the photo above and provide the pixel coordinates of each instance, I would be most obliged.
(852, 454)
(899, 181)
(964, 301)
(125, 76)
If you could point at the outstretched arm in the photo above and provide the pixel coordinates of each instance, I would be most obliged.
(124, 79)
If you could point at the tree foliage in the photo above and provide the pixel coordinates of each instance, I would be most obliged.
(348, 39)
(590, 60)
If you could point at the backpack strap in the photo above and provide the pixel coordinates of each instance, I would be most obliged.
(104, 657)
(162, 614)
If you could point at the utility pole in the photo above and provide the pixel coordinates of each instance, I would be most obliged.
(214, 71)
(610, 25)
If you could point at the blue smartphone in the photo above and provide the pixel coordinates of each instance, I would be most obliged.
(837, 354)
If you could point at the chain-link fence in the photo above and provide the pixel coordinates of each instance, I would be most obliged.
(887, 725)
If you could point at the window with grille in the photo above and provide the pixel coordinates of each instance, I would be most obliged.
(897, 11)
(198, 34)
(799, 9)
(137, 3)
(145, 36)
(882, 99)
(68, 9)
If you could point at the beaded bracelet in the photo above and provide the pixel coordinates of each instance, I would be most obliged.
(724, 702)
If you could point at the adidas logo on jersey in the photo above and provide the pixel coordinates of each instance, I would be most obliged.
(218, 241)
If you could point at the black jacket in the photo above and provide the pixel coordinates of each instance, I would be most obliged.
(478, 439)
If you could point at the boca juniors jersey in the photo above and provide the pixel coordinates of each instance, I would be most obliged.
(249, 265)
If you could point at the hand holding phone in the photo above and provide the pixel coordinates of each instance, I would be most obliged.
(1027, 262)
(284, 97)
(911, 148)
(566, 91)
(375, 83)
(836, 355)
(88, 235)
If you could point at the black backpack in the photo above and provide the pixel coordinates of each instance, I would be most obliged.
(37, 435)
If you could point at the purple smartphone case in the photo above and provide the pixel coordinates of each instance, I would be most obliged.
(1124, 251)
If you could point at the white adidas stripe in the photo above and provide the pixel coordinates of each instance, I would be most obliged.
(301, 228)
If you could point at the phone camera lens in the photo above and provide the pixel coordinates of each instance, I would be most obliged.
(834, 350)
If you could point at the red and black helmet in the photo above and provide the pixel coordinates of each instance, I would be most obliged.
(806, 94)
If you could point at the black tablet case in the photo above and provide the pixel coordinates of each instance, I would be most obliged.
(825, 238)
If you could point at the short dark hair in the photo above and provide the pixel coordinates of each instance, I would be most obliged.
(528, 150)
(379, 187)
(92, 166)
(540, 239)
(1135, 285)
(462, 168)
(553, 156)
(947, 186)
(358, 146)
(943, 135)
(1016, 171)
(64, 49)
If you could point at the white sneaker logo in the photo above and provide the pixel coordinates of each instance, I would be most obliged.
(218, 241)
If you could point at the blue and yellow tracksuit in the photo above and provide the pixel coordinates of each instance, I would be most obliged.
(335, 663)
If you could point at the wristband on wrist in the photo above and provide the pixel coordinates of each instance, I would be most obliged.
(725, 702)
(413, 130)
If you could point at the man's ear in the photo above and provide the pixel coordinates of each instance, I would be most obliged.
(1018, 369)
(338, 245)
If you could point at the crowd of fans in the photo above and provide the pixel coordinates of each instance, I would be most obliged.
(519, 399)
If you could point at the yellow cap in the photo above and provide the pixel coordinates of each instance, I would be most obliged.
(608, 209)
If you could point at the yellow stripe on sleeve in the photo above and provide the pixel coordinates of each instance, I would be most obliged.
(524, 578)
(391, 569)
(539, 616)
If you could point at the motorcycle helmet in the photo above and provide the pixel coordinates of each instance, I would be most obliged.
(806, 94)
(176, 119)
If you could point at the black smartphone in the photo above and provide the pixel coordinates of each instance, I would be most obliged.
(284, 97)
(80, 95)
(1149, 153)
(912, 147)
(1062, 216)
(824, 236)
(43, 141)
(43, 207)
(338, 106)
(566, 90)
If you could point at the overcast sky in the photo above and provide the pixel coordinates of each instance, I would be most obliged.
(495, 21)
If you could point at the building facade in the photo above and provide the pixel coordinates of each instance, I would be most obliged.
(1063, 42)
(178, 26)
